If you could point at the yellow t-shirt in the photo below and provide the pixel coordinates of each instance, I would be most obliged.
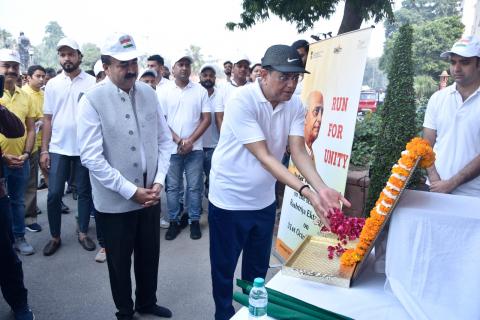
(21, 105)
(37, 103)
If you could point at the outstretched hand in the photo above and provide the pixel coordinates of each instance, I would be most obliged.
(324, 201)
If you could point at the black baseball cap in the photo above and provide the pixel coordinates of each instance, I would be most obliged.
(283, 58)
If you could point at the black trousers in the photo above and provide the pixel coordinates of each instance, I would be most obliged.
(11, 273)
(136, 232)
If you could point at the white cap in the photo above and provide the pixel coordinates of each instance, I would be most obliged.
(120, 46)
(9, 55)
(67, 42)
(98, 67)
(208, 66)
(181, 55)
(240, 57)
(467, 46)
(147, 71)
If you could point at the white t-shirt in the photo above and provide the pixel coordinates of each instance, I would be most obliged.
(61, 101)
(237, 179)
(457, 124)
(183, 109)
(210, 137)
(225, 91)
(162, 82)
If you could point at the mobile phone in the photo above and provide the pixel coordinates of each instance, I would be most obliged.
(2, 83)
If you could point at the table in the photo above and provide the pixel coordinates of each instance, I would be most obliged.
(432, 257)
(367, 299)
(432, 266)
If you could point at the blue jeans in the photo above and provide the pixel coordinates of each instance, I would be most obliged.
(11, 272)
(232, 232)
(207, 165)
(192, 164)
(17, 183)
(59, 173)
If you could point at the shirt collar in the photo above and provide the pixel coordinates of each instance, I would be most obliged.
(80, 76)
(260, 97)
(188, 86)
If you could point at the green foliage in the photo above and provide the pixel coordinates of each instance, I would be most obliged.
(424, 86)
(429, 41)
(304, 13)
(6, 39)
(420, 11)
(91, 53)
(46, 52)
(398, 114)
(366, 133)
(194, 52)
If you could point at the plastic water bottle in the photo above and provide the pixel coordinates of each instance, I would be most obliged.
(257, 301)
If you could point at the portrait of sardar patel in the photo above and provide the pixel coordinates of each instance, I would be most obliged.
(313, 119)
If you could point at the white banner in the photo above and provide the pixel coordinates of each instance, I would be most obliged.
(331, 94)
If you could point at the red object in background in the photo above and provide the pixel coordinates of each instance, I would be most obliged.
(368, 101)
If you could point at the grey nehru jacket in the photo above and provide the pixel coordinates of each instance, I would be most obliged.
(112, 127)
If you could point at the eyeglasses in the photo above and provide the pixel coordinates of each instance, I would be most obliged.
(286, 77)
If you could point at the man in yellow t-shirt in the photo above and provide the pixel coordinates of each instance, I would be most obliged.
(16, 152)
(36, 80)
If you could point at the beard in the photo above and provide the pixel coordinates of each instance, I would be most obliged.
(207, 84)
(69, 67)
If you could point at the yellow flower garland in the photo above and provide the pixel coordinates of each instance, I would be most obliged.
(416, 148)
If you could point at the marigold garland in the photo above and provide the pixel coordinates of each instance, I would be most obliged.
(416, 148)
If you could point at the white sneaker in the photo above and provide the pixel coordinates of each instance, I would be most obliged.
(101, 255)
(23, 247)
(164, 224)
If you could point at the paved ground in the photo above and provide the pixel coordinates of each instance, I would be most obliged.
(70, 285)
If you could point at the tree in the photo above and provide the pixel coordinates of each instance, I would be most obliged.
(304, 13)
(194, 52)
(6, 39)
(46, 52)
(429, 40)
(419, 11)
(91, 53)
(397, 115)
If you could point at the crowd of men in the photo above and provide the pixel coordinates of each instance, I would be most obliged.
(121, 136)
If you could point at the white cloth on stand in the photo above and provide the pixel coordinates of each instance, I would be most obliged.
(432, 261)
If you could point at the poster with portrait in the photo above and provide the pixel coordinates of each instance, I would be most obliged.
(330, 95)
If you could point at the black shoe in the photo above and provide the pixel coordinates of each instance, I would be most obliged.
(65, 208)
(87, 243)
(38, 211)
(34, 227)
(156, 310)
(42, 185)
(184, 221)
(195, 232)
(173, 231)
(51, 247)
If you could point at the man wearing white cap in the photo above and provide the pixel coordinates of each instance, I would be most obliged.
(124, 141)
(240, 70)
(98, 71)
(187, 110)
(210, 137)
(149, 76)
(452, 123)
(59, 143)
(16, 152)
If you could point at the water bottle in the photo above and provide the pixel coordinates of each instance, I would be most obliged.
(257, 301)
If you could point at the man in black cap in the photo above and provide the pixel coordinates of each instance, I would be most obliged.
(260, 120)
(302, 48)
